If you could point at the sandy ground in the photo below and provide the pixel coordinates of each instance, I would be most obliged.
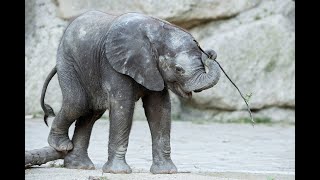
(200, 151)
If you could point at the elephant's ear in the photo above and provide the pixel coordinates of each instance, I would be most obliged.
(130, 52)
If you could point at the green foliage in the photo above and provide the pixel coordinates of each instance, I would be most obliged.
(270, 66)
(175, 116)
(55, 165)
(98, 178)
(247, 97)
(200, 122)
(259, 120)
(257, 17)
(103, 178)
(270, 178)
(37, 115)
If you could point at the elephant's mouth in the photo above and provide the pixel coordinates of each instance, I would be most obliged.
(181, 92)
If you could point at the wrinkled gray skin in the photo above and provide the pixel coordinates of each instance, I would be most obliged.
(109, 62)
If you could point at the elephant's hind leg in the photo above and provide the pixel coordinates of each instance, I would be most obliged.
(73, 106)
(58, 137)
(78, 157)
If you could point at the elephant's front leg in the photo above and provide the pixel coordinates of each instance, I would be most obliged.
(158, 112)
(121, 112)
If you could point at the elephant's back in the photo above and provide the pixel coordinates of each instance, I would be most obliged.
(91, 21)
(85, 31)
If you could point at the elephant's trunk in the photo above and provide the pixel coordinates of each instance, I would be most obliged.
(206, 80)
(209, 79)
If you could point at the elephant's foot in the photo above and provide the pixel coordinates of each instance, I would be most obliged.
(163, 167)
(77, 160)
(60, 142)
(117, 166)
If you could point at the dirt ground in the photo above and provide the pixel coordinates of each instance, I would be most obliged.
(200, 151)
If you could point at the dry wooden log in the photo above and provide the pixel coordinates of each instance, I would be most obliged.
(42, 156)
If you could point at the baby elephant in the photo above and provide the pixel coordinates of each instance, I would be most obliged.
(110, 62)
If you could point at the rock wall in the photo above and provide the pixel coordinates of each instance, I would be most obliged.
(185, 13)
(254, 40)
(257, 49)
(43, 30)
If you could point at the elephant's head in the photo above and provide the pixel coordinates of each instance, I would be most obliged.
(156, 54)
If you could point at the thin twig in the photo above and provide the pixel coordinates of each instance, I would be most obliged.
(210, 57)
(238, 91)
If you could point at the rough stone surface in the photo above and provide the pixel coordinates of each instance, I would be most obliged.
(257, 50)
(43, 31)
(186, 13)
(200, 151)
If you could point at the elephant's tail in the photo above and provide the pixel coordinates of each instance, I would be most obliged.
(48, 111)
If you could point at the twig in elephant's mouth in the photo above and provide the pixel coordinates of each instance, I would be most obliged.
(182, 92)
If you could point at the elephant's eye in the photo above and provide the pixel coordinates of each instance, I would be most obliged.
(179, 69)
